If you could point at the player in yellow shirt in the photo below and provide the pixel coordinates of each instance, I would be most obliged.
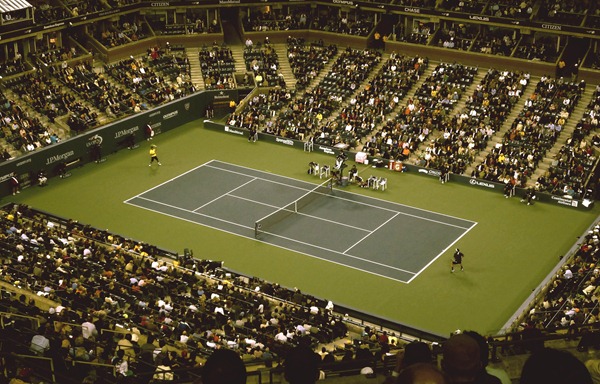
(153, 155)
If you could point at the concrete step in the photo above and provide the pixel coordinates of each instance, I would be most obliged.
(195, 69)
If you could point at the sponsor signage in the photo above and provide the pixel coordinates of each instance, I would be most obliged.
(169, 115)
(16, 31)
(563, 201)
(326, 150)
(481, 183)
(235, 131)
(282, 140)
(94, 140)
(430, 172)
(125, 132)
(26, 161)
(5, 177)
(60, 157)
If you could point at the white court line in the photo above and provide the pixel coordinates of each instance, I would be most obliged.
(168, 181)
(370, 233)
(195, 213)
(272, 234)
(442, 252)
(210, 164)
(310, 185)
(350, 193)
(357, 202)
(301, 213)
(223, 195)
(264, 242)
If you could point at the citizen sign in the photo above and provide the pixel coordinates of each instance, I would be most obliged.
(481, 183)
(552, 26)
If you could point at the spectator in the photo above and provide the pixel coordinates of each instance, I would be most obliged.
(301, 366)
(552, 366)
(224, 367)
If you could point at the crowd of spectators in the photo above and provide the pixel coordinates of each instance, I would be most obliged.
(563, 11)
(81, 8)
(53, 54)
(262, 60)
(110, 300)
(48, 12)
(306, 115)
(90, 85)
(422, 115)
(467, 132)
(534, 47)
(217, 66)
(259, 112)
(378, 99)
(495, 42)
(573, 294)
(420, 34)
(457, 36)
(307, 60)
(571, 168)
(535, 130)
(175, 68)
(37, 90)
(108, 309)
(514, 9)
(145, 81)
(261, 20)
(114, 34)
(20, 130)
(13, 66)
(467, 6)
(357, 22)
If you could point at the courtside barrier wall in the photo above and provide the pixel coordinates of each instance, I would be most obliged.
(121, 134)
(473, 182)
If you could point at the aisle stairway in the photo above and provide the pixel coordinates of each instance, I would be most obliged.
(284, 65)
(237, 52)
(195, 70)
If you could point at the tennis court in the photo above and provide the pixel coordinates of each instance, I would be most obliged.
(369, 234)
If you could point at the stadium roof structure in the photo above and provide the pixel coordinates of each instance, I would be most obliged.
(13, 5)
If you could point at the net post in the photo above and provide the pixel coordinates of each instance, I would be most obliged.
(256, 229)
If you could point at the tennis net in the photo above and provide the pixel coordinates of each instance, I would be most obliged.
(295, 206)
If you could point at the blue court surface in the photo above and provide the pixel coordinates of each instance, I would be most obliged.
(369, 234)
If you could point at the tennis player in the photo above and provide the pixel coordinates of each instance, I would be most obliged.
(457, 260)
(153, 155)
